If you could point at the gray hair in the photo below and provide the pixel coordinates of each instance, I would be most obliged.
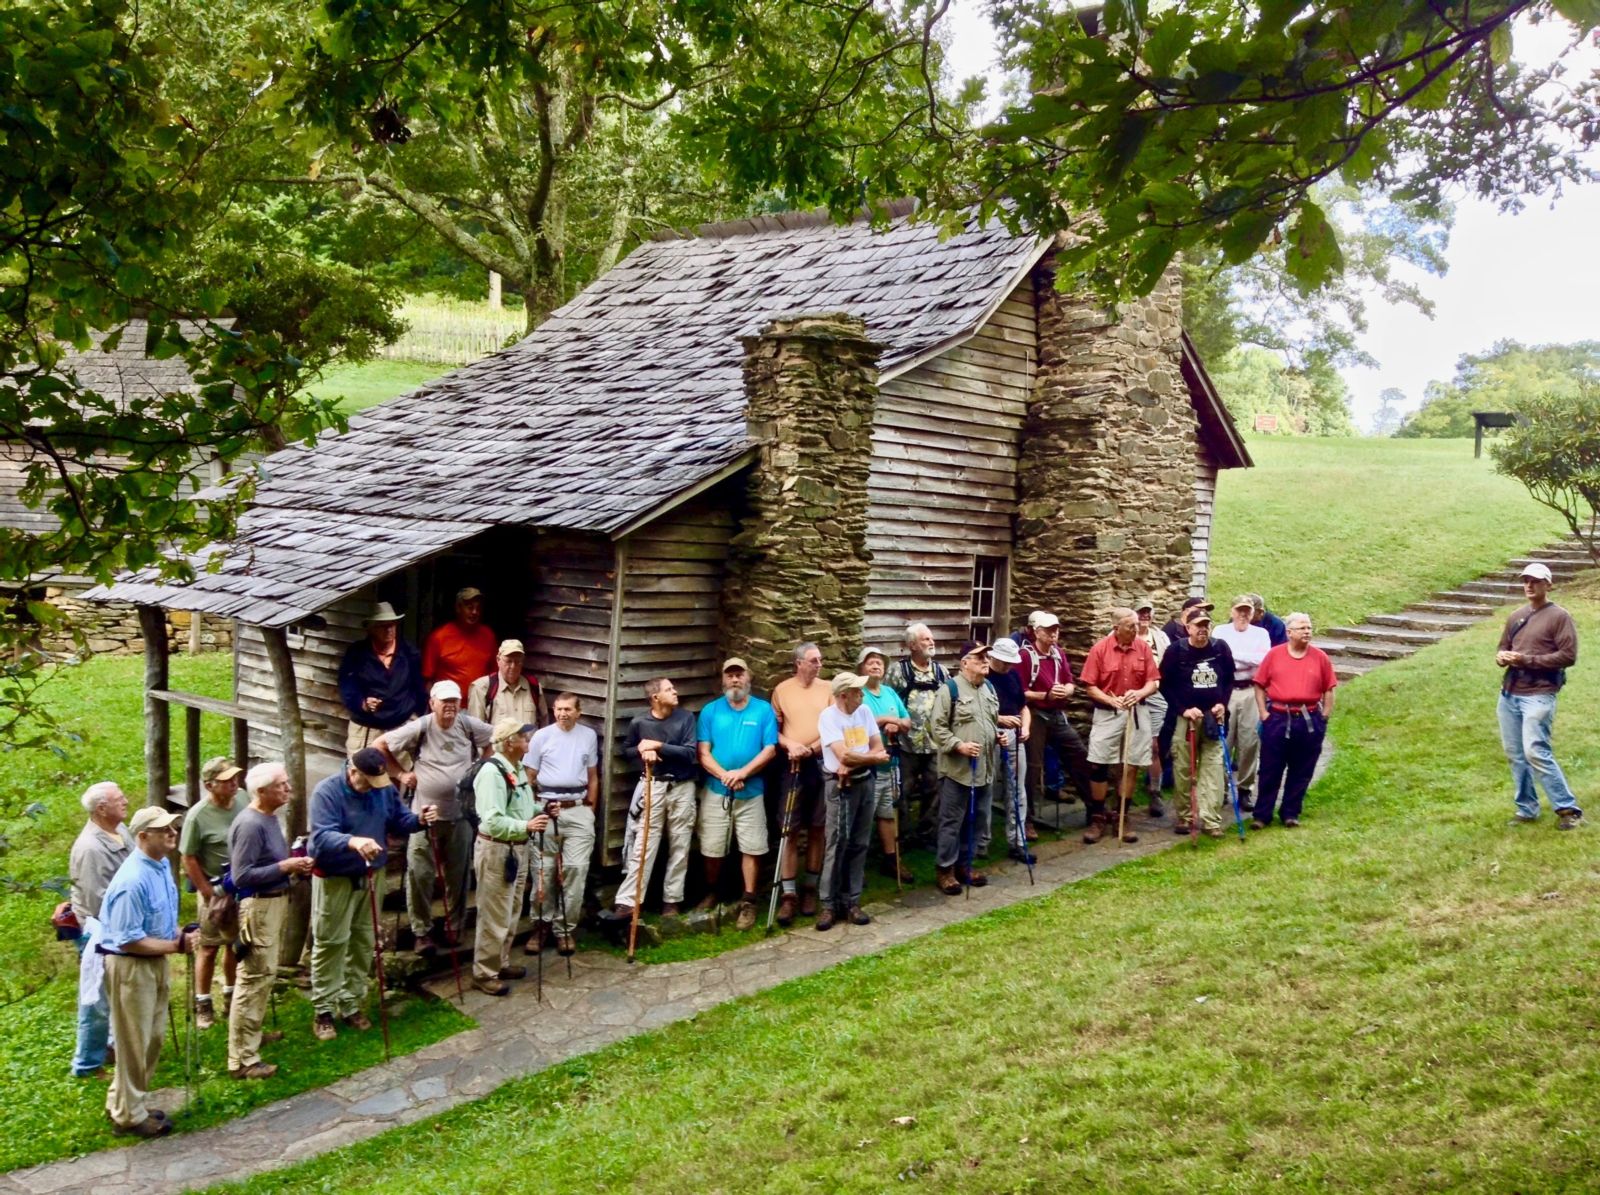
(98, 794)
(914, 629)
(263, 775)
(1296, 616)
(1118, 613)
(800, 650)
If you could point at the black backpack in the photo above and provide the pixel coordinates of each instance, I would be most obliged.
(467, 791)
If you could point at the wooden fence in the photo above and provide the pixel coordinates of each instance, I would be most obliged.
(453, 331)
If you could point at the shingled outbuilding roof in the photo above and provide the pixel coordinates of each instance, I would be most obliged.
(626, 397)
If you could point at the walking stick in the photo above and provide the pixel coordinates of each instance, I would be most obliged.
(1016, 809)
(644, 853)
(1125, 780)
(190, 1048)
(841, 843)
(894, 787)
(538, 905)
(1233, 785)
(972, 825)
(444, 892)
(790, 786)
(1194, 788)
(561, 889)
(377, 958)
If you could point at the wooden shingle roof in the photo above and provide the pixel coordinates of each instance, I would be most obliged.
(626, 396)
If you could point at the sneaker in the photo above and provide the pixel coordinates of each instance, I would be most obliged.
(858, 916)
(1289, 823)
(745, 916)
(256, 1070)
(513, 972)
(204, 1015)
(1022, 856)
(491, 987)
(1568, 821)
(808, 902)
(1157, 809)
(323, 1027)
(826, 920)
(358, 1020)
(788, 904)
(150, 1126)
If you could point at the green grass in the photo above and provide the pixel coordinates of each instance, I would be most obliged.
(1397, 997)
(361, 386)
(49, 1114)
(1344, 528)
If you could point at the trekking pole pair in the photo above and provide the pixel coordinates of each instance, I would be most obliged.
(791, 786)
(644, 855)
(1233, 784)
(1017, 819)
(972, 827)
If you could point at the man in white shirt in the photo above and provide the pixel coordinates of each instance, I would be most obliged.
(564, 758)
(1249, 644)
(851, 748)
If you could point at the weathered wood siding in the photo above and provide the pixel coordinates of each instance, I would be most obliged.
(946, 440)
(1205, 499)
(672, 582)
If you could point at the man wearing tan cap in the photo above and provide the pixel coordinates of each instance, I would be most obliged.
(463, 649)
(738, 737)
(965, 726)
(140, 918)
(507, 816)
(204, 849)
(851, 748)
(380, 680)
(508, 691)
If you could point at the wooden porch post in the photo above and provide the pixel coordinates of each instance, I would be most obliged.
(608, 746)
(292, 742)
(157, 715)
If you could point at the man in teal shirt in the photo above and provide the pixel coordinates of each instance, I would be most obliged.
(889, 711)
(738, 736)
(507, 815)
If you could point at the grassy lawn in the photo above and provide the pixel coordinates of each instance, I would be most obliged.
(1397, 997)
(1307, 525)
(49, 1114)
(363, 386)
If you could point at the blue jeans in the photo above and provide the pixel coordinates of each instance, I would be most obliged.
(1525, 734)
(94, 1027)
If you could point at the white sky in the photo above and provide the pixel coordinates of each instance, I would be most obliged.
(1528, 277)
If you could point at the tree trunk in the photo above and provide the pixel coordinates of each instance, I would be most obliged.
(157, 714)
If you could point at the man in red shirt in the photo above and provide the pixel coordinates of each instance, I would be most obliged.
(1294, 696)
(1047, 687)
(1118, 673)
(463, 649)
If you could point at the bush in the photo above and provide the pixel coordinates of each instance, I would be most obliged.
(1554, 450)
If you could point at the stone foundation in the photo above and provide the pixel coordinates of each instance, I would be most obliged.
(112, 628)
(798, 566)
(1108, 465)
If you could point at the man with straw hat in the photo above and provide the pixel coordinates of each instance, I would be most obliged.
(380, 680)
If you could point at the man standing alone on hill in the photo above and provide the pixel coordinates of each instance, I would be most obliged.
(1537, 647)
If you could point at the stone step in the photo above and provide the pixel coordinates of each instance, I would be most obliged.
(1350, 667)
(1467, 598)
(1462, 609)
(1421, 620)
(1493, 588)
(1571, 557)
(1398, 635)
(1565, 569)
(1374, 649)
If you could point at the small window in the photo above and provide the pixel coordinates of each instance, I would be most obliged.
(988, 582)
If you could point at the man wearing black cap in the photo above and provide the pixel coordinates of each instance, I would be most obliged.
(965, 726)
(352, 814)
(1197, 679)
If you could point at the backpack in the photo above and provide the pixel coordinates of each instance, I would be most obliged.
(910, 683)
(954, 696)
(465, 793)
(494, 691)
(1035, 662)
(467, 790)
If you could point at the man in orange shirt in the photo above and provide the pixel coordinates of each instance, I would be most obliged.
(1119, 672)
(799, 702)
(463, 649)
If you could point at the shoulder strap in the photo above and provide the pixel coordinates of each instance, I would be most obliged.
(494, 691)
(422, 737)
(1034, 664)
(950, 684)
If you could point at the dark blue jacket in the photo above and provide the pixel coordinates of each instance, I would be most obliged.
(1275, 629)
(339, 813)
(400, 687)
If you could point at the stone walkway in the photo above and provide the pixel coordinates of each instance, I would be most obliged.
(604, 1001)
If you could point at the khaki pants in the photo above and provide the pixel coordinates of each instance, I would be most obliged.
(261, 930)
(498, 903)
(341, 953)
(454, 840)
(137, 989)
(1244, 736)
(1211, 780)
(672, 812)
(573, 832)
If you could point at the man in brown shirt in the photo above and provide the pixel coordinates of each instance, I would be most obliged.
(1538, 645)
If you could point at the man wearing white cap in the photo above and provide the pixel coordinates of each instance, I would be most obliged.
(851, 747)
(443, 743)
(1537, 647)
(380, 680)
(1016, 725)
(140, 918)
(1249, 644)
(508, 691)
(463, 649)
(1048, 686)
(203, 847)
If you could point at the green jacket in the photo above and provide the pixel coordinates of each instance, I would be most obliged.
(503, 813)
(976, 719)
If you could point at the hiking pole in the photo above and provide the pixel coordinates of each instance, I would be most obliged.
(894, 788)
(444, 893)
(561, 890)
(190, 1046)
(377, 957)
(1016, 809)
(841, 842)
(538, 906)
(972, 825)
(1125, 780)
(790, 785)
(644, 853)
(1233, 786)
(1194, 788)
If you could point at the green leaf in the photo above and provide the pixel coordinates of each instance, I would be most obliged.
(1583, 13)
(1500, 44)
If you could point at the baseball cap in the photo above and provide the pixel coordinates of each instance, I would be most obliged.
(1539, 572)
(370, 763)
(973, 648)
(733, 662)
(1144, 604)
(512, 647)
(467, 594)
(445, 690)
(1242, 602)
(871, 651)
(1189, 603)
(152, 817)
(504, 728)
(1042, 618)
(844, 681)
(220, 768)
(1006, 651)
(1196, 606)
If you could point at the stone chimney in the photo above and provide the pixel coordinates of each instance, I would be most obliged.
(797, 568)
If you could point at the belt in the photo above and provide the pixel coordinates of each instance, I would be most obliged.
(1243, 684)
(502, 841)
(264, 895)
(1281, 707)
(560, 803)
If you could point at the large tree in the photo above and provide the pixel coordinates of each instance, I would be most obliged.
(1508, 374)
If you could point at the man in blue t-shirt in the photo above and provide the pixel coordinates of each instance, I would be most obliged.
(737, 736)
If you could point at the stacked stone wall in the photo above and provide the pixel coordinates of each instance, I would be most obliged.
(1107, 504)
(798, 566)
(112, 628)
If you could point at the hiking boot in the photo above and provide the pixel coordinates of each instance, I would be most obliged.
(745, 914)
(1095, 830)
(972, 879)
(1181, 827)
(1568, 821)
(671, 908)
(1033, 831)
(947, 882)
(1128, 835)
(614, 924)
(886, 867)
(707, 902)
(1157, 809)
(825, 920)
(858, 916)
(513, 973)
(1257, 824)
(788, 904)
(99, 1073)
(111, 1055)
(323, 1027)
(150, 1126)
(271, 1036)
(491, 987)
(1022, 856)
(358, 1020)
(537, 939)
(204, 1014)
(566, 945)
(808, 902)
(425, 945)
(1217, 833)
(256, 1070)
